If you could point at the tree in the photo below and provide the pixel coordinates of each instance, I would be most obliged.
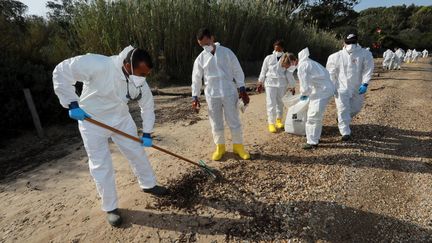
(403, 26)
(336, 15)
(422, 19)
(11, 23)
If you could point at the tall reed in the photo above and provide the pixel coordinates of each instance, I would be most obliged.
(166, 28)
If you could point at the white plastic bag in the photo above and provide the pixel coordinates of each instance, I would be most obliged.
(290, 100)
(241, 106)
(295, 121)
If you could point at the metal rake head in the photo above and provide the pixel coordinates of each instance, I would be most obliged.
(208, 170)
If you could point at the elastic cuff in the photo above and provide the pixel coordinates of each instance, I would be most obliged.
(242, 89)
(146, 135)
(73, 105)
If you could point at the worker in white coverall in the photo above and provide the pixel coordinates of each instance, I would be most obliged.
(407, 57)
(219, 67)
(315, 85)
(414, 55)
(351, 70)
(108, 84)
(387, 59)
(392, 60)
(425, 53)
(276, 80)
(399, 57)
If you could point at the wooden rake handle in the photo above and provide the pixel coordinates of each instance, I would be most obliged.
(137, 139)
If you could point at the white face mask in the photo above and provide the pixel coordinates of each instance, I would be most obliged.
(137, 80)
(279, 53)
(350, 48)
(292, 68)
(208, 48)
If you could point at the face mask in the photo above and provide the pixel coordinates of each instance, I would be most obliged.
(279, 54)
(137, 80)
(208, 48)
(349, 48)
(292, 68)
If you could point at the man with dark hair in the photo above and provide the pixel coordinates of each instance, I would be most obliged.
(350, 70)
(279, 44)
(202, 33)
(109, 83)
(219, 67)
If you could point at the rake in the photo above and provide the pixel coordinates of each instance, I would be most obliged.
(201, 164)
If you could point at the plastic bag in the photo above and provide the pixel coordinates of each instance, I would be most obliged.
(296, 118)
(241, 106)
(290, 100)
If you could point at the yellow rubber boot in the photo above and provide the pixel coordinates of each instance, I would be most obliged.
(279, 123)
(272, 128)
(220, 151)
(239, 149)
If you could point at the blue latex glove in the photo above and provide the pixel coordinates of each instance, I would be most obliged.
(363, 88)
(304, 97)
(147, 140)
(76, 113)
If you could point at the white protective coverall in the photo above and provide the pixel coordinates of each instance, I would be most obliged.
(407, 57)
(219, 72)
(399, 57)
(104, 98)
(276, 80)
(393, 61)
(315, 83)
(414, 55)
(425, 53)
(348, 72)
(387, 59)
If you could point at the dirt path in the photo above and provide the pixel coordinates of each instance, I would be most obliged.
(375, 188)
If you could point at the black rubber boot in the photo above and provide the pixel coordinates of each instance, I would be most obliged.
(310, 146)
(114, 218)
(157, 191)
(346, 138)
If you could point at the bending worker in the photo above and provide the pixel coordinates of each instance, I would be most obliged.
(315, 85)
(350, 70)
(109, 83)
(219, 67)
(276, 80)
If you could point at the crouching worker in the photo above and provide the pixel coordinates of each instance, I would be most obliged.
(219, 67)
(276, 80)
(315, 85)
(108, 84)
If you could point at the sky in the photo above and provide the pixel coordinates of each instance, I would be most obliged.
(37, 7)
(386, 3)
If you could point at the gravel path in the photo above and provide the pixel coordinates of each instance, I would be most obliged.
(376, 188)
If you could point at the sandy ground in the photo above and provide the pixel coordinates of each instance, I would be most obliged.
(374, 188)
